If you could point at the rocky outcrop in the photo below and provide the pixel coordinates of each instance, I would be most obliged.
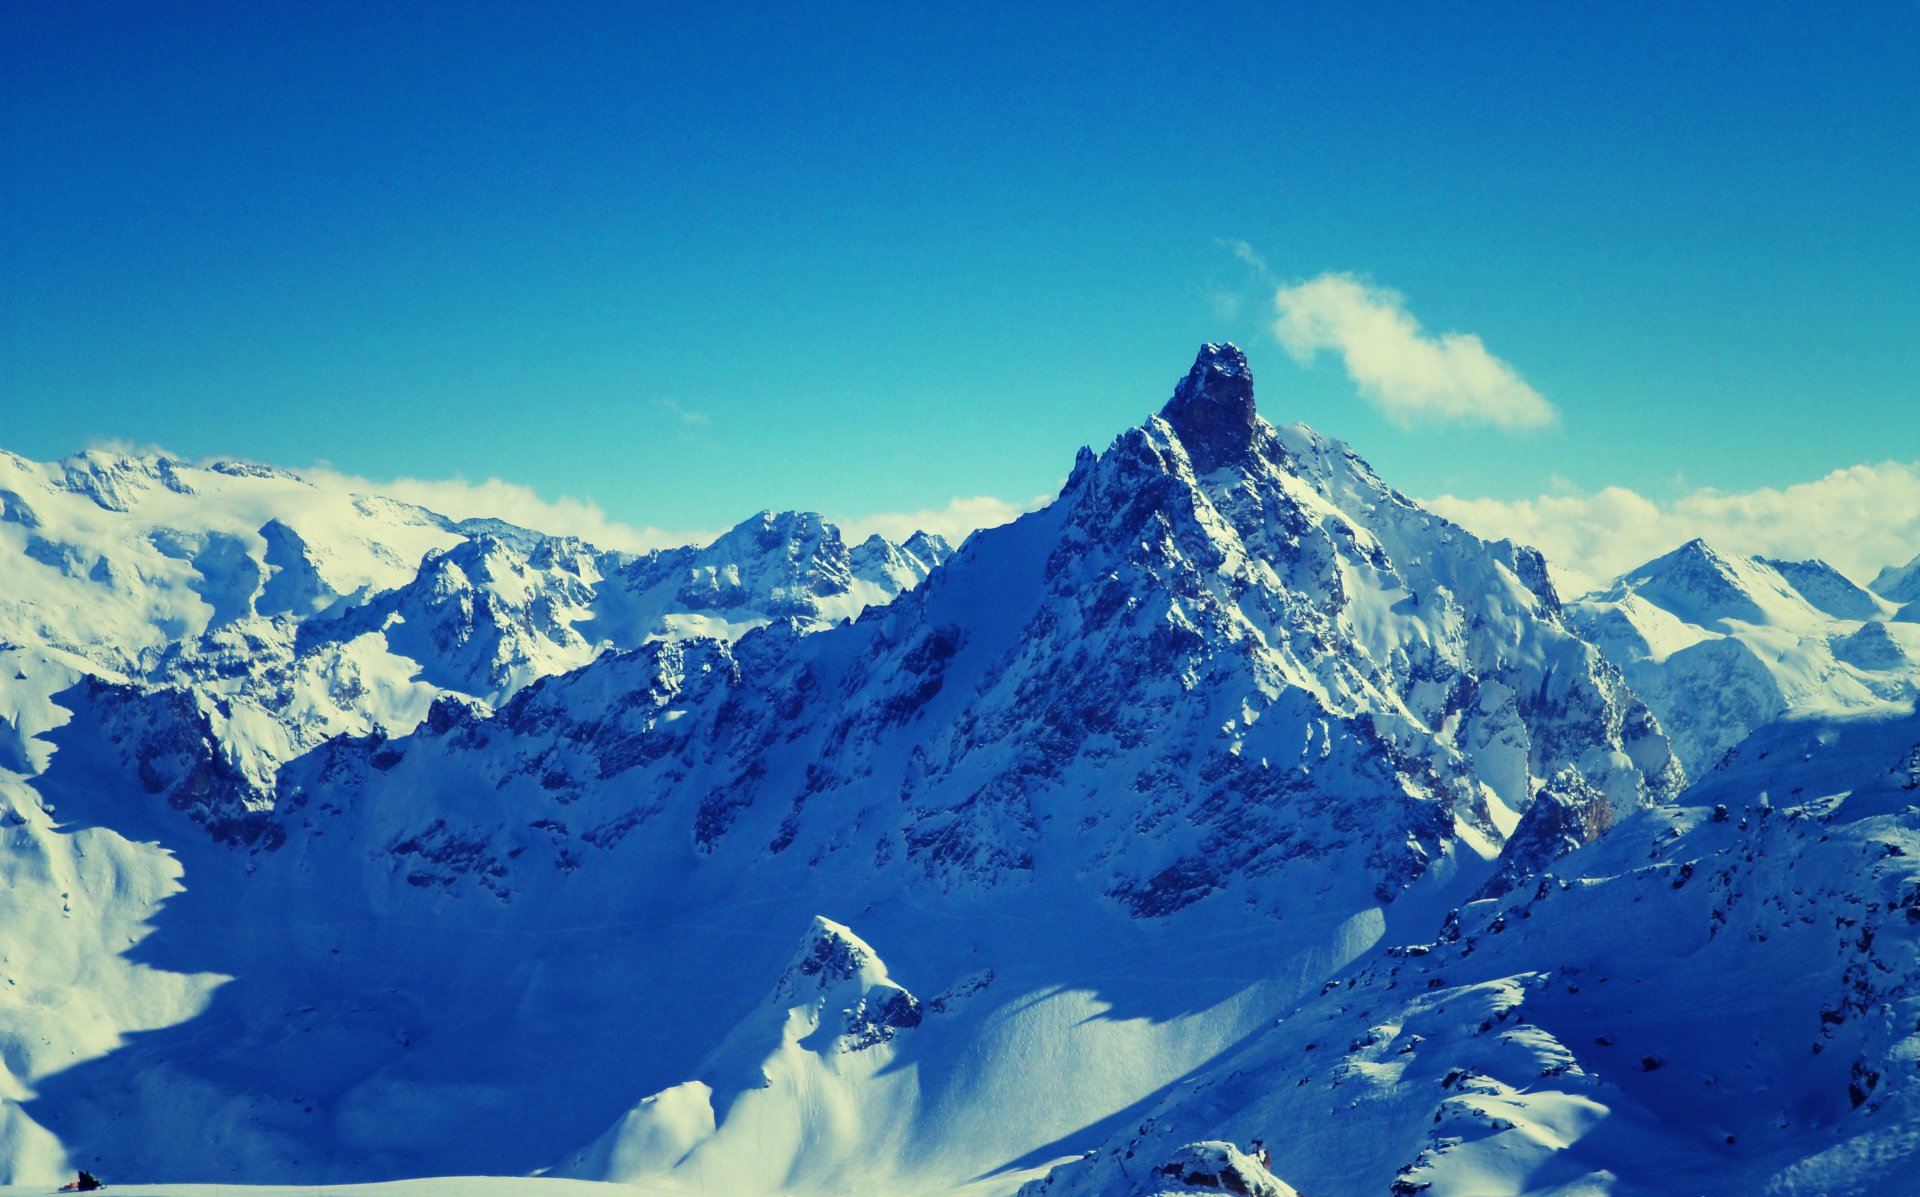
(1212, 409)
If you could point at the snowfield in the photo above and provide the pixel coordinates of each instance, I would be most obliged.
(446, 1186)
(1722, 995)
(1719, 645)
(1232, 824)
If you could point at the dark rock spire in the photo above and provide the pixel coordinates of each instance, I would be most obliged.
(1212, 409)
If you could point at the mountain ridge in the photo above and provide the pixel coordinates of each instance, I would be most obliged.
(1720, 644)
(919, 875)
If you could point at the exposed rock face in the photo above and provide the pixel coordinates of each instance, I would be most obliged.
(836, 967)
(1827, 589)
(166, 739)
(1212, 408)
(1566, 814)
(1699, 582)
(1899, 583)
(1211, 1166)
(1871, 648)
(1216, 1167)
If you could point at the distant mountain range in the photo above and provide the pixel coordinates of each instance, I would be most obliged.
(1231, 824)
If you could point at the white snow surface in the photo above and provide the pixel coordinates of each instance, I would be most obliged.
(1720, 996)
(525, 860)
(440, 1186)
(1899, 584)
(1720, 645)
(292, 613)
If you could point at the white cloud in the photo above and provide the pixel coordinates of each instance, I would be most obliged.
(457, 498)
(1857, 519)
(1248, 256)
(129, 448)
(1399, 367)
(954, 521)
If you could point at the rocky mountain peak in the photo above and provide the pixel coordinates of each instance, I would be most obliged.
(1212, 407)
(770, 529)
(1900, 583)
(830, 954)
(835, 965)
(1697, 583)
(1825, 588)
(1696, 553)
(930, 547)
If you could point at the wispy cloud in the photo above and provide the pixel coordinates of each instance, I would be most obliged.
(457, 498)
(127, 448)
(1248, 256)
(1249, 286)
(1407, 372)
(1857, 519)
(955, 521)
(1225, 304)
(685, 415)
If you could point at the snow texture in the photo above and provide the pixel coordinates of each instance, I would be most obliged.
(1719, 645)
(1229, 825)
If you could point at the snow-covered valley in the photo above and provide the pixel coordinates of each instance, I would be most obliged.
(1231, 824)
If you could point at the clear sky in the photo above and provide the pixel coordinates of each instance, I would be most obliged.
(693, 260)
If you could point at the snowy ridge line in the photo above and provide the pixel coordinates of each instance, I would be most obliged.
(1723, 995)
(1719, 645)
(293, 613)
(1231, 824)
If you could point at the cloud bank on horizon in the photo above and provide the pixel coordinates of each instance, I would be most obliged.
(457, 498)
(955, 521)
(1408, 373)
(496, 498)
(1858, 519)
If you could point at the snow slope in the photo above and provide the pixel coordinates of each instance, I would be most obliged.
(1721, 996)
(1719, 645)
(1899, 583)
(448, 1186)
(1108, 791)
(244, 616)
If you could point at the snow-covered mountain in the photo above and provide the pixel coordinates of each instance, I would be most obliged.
(290, 612)
(783, 1083)
(1110, 790)
(1230, 825)
(1900, 584)
(1719, 645)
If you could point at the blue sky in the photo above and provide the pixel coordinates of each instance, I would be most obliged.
(689, 261)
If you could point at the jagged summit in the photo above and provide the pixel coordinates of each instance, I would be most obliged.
(1695, 554)
(1212, 408)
